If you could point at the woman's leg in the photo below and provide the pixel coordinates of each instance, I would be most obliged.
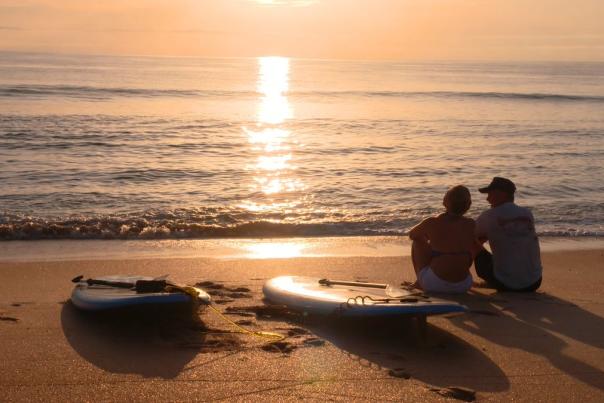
(421, 255)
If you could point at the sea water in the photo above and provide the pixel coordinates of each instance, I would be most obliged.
(139, 147)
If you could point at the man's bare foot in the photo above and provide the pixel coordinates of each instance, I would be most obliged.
(481, 284)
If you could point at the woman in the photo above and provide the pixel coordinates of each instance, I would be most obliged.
(444, 246)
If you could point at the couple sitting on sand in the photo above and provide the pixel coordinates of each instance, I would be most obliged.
(445, 246)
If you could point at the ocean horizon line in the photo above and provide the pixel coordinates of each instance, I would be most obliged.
(105, 93)
(502, 61)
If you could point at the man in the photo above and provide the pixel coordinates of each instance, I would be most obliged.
(515, 264)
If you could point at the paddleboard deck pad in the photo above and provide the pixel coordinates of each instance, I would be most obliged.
(353, 299)
(113, 292)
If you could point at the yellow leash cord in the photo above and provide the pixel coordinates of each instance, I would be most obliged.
(263, 335)
(192, 291)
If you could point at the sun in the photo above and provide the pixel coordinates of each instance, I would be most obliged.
(295, 3)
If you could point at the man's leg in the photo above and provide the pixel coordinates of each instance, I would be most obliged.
(531, 288)
(483, 263)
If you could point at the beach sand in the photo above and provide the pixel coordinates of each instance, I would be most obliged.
(547, 346)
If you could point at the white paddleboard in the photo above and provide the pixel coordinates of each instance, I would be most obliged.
(95, 297)
(349, 298)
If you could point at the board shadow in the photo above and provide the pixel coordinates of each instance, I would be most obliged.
(152, 342)
(440, 358)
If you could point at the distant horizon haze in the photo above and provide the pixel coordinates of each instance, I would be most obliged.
(405, 30)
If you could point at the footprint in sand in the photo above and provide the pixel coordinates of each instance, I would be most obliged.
(223, 301)
(283, 347)
(8, 318)
(314, 342)
(245, 322)
(220, 290)
(456, 392)
(294, 331)
(399, 373)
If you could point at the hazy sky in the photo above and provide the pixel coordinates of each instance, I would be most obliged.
(352, 29)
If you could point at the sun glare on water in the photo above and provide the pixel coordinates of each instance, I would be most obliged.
(271, 142)
(273, 84)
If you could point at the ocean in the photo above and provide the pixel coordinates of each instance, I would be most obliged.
(101, 147)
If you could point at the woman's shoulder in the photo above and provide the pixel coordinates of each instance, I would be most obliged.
(449, 218)
(440, 216)
(431, 218)
(462, 221)
(470, 222)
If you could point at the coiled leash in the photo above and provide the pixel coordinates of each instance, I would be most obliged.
(361, 300)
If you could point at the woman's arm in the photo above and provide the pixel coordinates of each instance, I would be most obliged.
(420, 231)
(476, 243)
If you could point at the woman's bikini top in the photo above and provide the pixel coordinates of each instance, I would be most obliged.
(436, 253)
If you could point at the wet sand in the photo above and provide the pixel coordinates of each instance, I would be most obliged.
(547, 346)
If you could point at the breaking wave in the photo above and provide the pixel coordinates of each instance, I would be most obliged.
(129, 227)
(140, 228)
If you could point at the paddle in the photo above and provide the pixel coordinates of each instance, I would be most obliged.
(327, 282)
(92, 281)
(159, 284)
(391, 291)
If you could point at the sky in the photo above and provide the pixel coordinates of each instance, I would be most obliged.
(327, 29)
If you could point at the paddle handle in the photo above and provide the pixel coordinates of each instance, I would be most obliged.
(328, 282)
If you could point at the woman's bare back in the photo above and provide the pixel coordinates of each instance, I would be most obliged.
(453, 245)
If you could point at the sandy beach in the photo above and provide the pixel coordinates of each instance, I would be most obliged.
(546, 346)
(221, 144)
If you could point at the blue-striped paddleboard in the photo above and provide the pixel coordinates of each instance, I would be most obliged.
(98, 297)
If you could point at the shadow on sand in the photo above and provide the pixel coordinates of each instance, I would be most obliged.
(536, 323)
(440, 359)
(152, 342)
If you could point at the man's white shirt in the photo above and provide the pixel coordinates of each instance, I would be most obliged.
(510, 230)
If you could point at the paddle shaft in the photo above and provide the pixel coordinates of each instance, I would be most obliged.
(116, 284)
(328, 282)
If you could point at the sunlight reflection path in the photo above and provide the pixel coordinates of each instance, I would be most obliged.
(273, 83)
(275, 188)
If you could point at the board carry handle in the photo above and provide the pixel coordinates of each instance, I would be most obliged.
(327, 282)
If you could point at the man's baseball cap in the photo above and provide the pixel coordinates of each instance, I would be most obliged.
(502, 184)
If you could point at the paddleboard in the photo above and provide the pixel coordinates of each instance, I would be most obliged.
(353, 299)
(89, 296)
